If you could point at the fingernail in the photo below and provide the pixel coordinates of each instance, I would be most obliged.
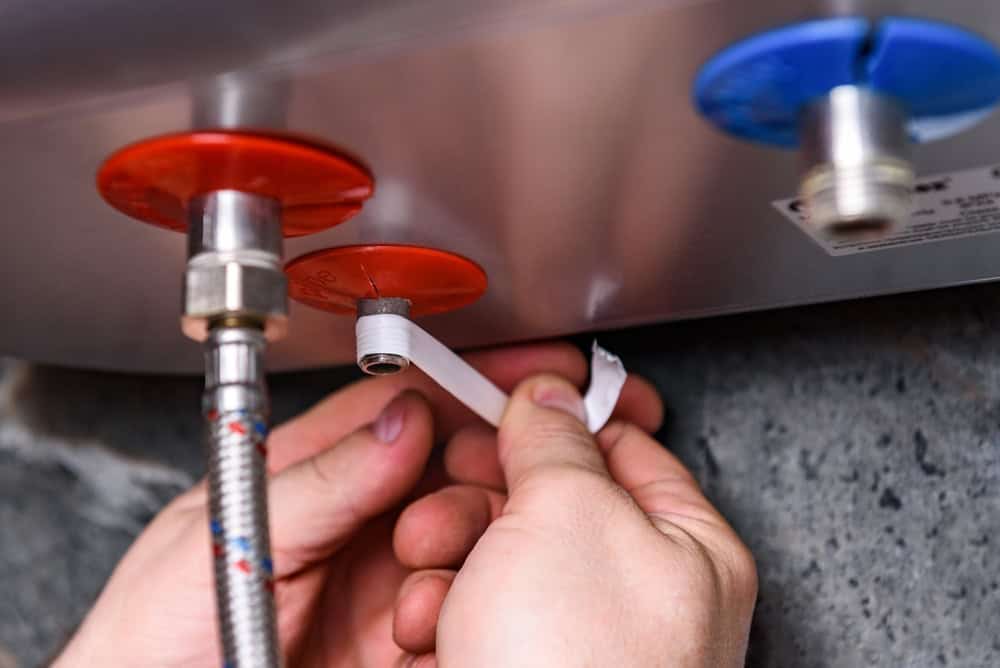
(561, 398)
(389, 423)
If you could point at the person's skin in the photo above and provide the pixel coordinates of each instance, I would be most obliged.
(538, 545)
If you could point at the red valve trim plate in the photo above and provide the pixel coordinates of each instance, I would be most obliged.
(154, 179)
(434, 281)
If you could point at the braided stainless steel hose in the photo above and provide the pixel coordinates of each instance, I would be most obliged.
(236, 410)
(235, 300)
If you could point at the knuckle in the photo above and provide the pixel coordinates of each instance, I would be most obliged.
(569, 488)
(543, 378)
(319, 477)
(558, 429)
(744, 568)
(728, 560)
(737, 572)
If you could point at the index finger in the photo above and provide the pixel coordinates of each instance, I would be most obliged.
(360, 403)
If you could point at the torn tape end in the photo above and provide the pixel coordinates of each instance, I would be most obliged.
(607, 378)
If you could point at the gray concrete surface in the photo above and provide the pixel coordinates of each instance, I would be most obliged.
(854, 447)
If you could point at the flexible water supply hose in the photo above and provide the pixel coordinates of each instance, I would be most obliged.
(236, 410)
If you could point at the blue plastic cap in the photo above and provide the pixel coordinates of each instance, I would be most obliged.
(755, 89)
(946, 77)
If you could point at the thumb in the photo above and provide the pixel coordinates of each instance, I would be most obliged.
(317, 504)
(542, 433)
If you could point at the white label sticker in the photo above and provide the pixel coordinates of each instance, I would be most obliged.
(945, 206)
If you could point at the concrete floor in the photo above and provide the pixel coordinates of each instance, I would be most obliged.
(855, 447)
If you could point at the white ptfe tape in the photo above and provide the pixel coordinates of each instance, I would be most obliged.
(607, 378)
(395, 335)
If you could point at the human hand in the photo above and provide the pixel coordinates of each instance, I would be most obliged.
(570, 550)
(337, 474)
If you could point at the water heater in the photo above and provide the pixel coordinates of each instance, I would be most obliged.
(597, 165)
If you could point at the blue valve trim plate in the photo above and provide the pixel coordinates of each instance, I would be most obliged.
(946, 77)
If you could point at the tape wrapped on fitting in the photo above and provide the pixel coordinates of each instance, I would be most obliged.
(391, 334)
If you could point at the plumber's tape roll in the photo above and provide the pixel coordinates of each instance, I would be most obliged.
(393, 334)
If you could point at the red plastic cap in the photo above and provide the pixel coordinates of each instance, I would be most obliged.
(434, 281)
(153, 180)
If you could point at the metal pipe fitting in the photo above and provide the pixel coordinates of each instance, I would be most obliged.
(234, 264)
(383, 364)
(236, 410)
(857, 179)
